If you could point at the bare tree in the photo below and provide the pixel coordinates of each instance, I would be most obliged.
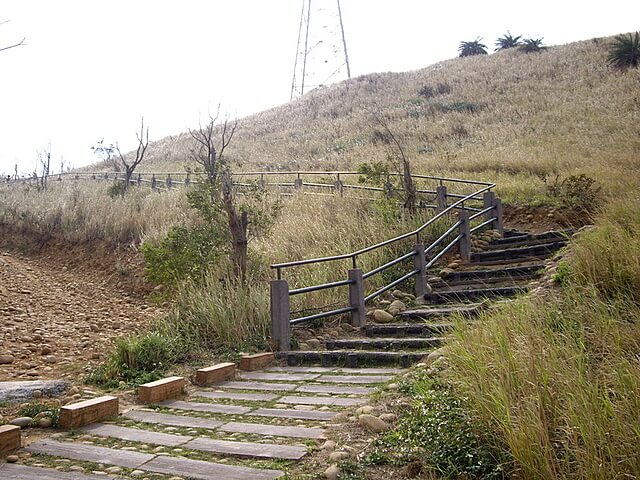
(129, 167)
(407, 181)
(210, 156)
(7, 47)
(44, 164)
(107, 153)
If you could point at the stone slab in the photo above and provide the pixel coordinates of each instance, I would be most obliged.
(301, 369)
(248, 449)
(9, 439)
(372, 371)
(15, 471)
(256, 361)
(335, 389)
(90, 453)
(275, 387)
(136, 435)
(173, 420)
(250, 397)
(297, 414)
(354, 378)
(333, 401)
(200, 470)
(163, 389)
(215, 374)
(275, 430)
(76, 415)
(12, 392)
(286, 377)
(206, 407)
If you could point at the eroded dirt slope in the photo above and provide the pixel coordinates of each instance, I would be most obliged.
(58, 321)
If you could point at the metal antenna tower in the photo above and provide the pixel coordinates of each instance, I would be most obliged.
(321, 51)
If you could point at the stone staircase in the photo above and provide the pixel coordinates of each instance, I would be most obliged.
(258, 425)
(499, 269)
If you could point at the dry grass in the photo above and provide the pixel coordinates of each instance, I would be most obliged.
(558, 377)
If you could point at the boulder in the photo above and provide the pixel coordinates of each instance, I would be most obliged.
(338, 456)
(21, 422)
(332, 472)
(396, 307)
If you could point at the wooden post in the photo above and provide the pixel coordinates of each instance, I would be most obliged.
(498, 224)
(441, 198)
(280, 326)
(465, 241)
(356, 298)
(339, 186)
(488, 201)
(419, 263)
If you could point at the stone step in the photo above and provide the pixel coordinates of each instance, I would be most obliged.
(406, 343)
(136, 435)
(480, 293)
(355, 379)
(287, 377)
(247, 397)
(328, 401)
(296, 414)
(223, 447)
(15, 471)
(230, 427)
(335, 389)
(542, 250)
(172, 420)
(426, 313)
(530, 239)
(207, 407)
(350, 358)
(523, 271)
(406, 329)
(275, 387)
(480, 284)
(183, 467)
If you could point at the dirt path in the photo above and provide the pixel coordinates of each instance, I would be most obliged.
(59, 322)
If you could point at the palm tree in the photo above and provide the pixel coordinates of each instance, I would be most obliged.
(508, 41)
(468, 49)
(531, 45)
(624, 51)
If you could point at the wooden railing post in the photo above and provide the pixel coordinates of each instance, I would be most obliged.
(280, 326)
(441, 198)
(356, 298)
(465, 231)
(488, 201)
(297, 183)
(497, 212)
(419, 264)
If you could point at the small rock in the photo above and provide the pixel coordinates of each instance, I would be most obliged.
(445, 272)
(12, 459)
(388, 417)
(21, 422)
(436, 354)
(45, 422)
(45, 350)
(76, 468)
(7, 359)
(332, 472)
(338, 456)
(36, 394)
(381, 316)
(393, 386)
(453, 265)
(328, 445)
(364, 409)
(137, 473)
(314, 343)
(373, 423)
(113, 470)
(396, 307)
(50, 359)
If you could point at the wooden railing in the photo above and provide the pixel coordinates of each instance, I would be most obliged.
(467, 221)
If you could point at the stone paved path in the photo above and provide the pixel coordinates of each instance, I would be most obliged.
(249, 428)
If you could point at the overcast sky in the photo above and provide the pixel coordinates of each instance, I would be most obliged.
(90, 69)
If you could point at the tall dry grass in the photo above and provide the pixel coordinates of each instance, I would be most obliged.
(558, 377)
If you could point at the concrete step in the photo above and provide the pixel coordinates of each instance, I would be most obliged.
(540, 251)
(406, 329)
(351, 358)
(472, 284)
(462, 295)
(407, 343)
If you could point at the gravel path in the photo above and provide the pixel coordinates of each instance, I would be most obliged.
(57, 322)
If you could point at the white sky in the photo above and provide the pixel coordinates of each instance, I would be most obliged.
(90, 68)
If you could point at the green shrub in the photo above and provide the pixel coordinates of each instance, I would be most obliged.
(624, 51)
(440, 431)
(117, 189)
(575, 191)
(35, 408)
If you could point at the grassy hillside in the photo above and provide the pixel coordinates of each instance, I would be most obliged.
(509, 117)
